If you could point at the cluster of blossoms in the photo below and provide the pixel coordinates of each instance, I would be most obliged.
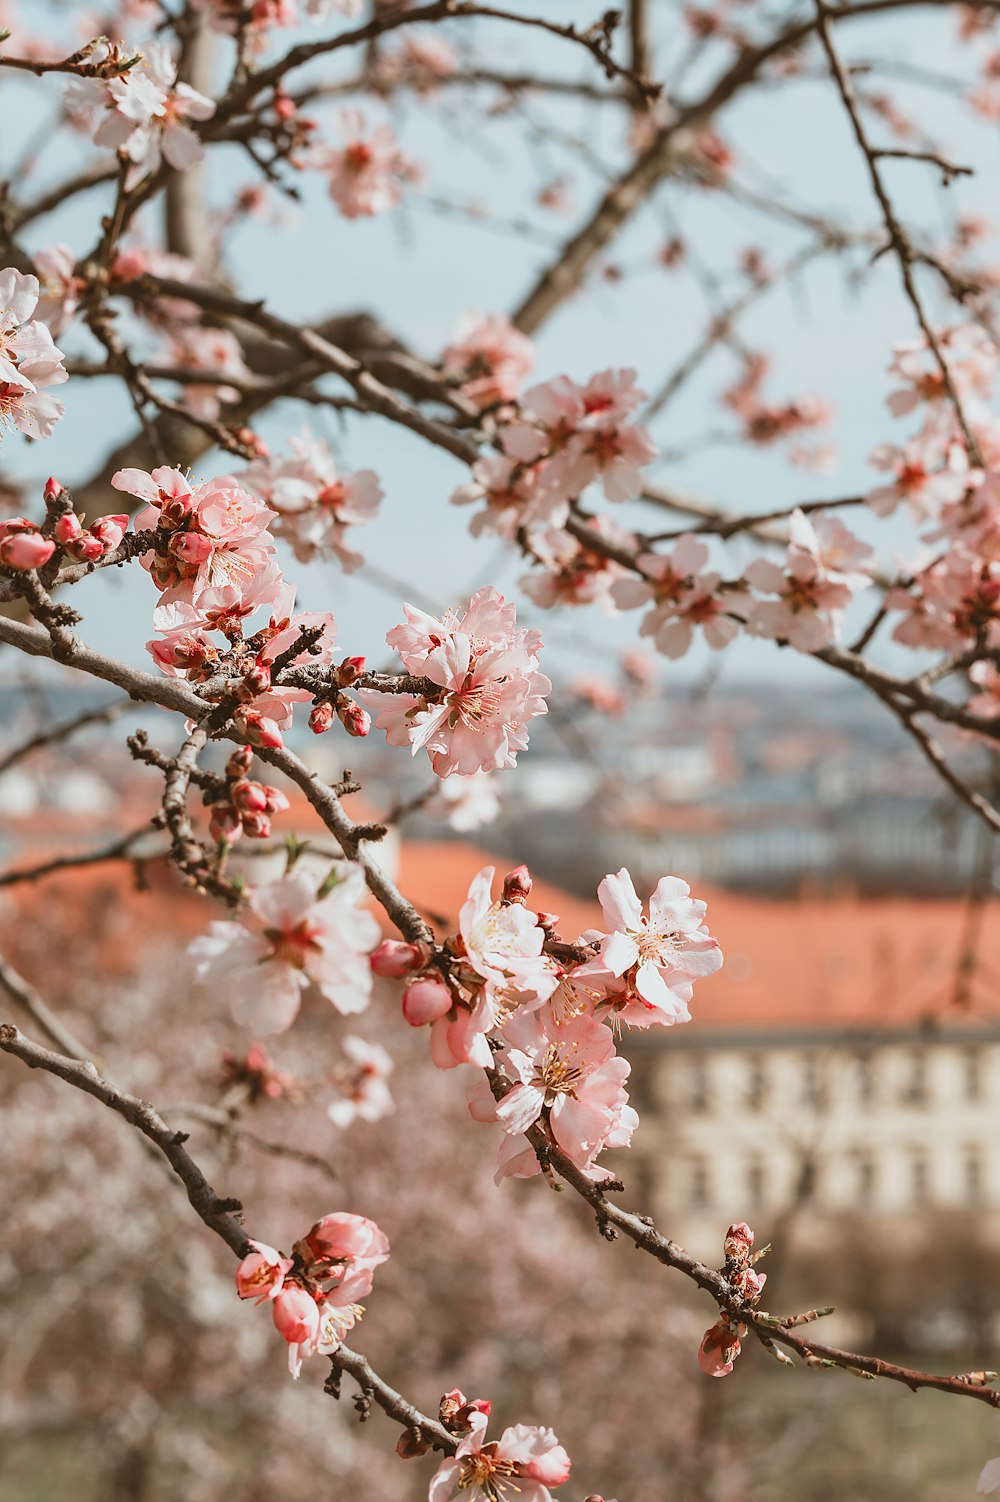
(720, 1345)
(261, 17)
(361, 1086)
(214, 561)
(521, 1466)
(764, 423)
(509, 995)
(484, 687)
(314, 1293)
(313, 502)
(295, 940)
(29, 360)
(25, 545)
(562, 439)
(242, 806)
(142, 113)
(488, 358)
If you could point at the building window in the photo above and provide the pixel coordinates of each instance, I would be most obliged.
(918, 1181)
(755, 1185)
(973, 1073)
(915, 1089)
(699, 1195)
(973, 1177)
(813, 1094)
(864, 1079)
(698, 1086)
(866, 1183)
(756, 1084)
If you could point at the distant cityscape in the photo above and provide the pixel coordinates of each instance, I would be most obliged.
(754, 788)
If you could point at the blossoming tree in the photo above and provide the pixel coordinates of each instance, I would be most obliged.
(559, 471)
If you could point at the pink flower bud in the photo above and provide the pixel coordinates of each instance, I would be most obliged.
(321, 717)
(256, 826)
(284, 107)
(25, 550)
(109, 530)
(548, 921)
(295, 1314)
(224, 823)
(517, 885)
(67, 527)
(86, 548)
(239, 763)
(262, 730)
(350, 671)
(393, 959)
(451, 1403)
(750, 1284)
(191, 547)
(52, 492)
(249, 797)
(355, 720)
(277, 803)
(256, 682)
(425, 1000)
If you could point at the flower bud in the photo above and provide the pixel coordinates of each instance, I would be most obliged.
(24, 550)
(262, 730)
(277, 803)
(739, 1240)
(256, 826)
(517, 885)
(53, 491)
(67, 527)
(355, 720)
(321, 717)
(109, 530)
(425, 1000)
(394, 959)
(86, 548)
(257, 681)
(249, 797)
(350, 671)
(224, 823)
(548, 921)
(175, 511)
(295, 1314)
(239, 763)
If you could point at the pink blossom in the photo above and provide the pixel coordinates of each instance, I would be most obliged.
(218, 351)
(488, 687)
(368, 174)
(823, 570)
(719, 1348)
(512, 495)
(584, 433)
(145, 112)
(503, 941)
(29, 361)
(295, 1314)
(489, 358)
(60, 287)
(571, 573)
(662, 954)
(342, 1251)
(518, 1467)
(682, 597)
(574, 1072)
(314, 503)
(362, 1089)
(261, 1274)
(297, 941)
(925, 490)
(467, 803)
